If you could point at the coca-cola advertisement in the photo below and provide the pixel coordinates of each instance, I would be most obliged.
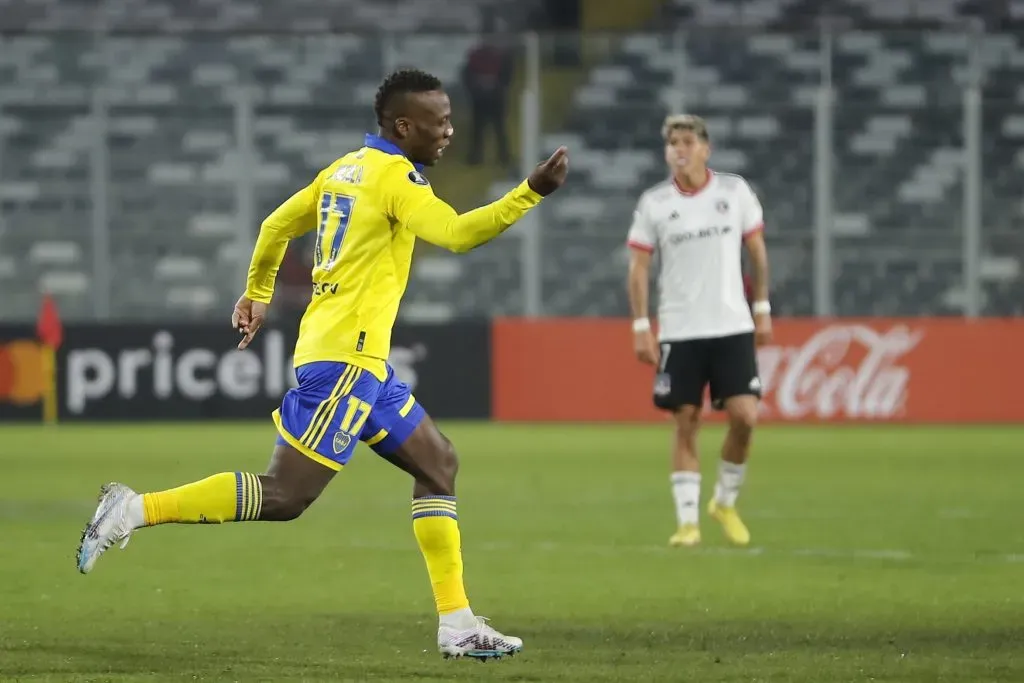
(841, 370)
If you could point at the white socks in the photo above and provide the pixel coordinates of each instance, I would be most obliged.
(686, 492)
(136, 513)
(460, 620)
(730, 478)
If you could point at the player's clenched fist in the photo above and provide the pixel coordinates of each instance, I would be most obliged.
(645, 347)
(549, 175)
(248, 318)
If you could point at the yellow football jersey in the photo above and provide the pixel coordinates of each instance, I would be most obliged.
(368, 208)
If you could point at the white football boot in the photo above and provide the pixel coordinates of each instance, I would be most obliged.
(479, 642)
(109, 525)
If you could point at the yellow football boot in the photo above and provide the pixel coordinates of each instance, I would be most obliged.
(687, 535)
(735, 530)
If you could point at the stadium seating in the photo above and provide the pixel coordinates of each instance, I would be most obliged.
(177, 169)
(308, 16)
(898, 136)
(174, 171)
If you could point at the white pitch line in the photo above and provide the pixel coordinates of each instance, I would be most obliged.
(881, 555)
(896, 555)
(944, 514)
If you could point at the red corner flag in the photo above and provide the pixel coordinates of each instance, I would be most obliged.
(51, 334)
(48, 326)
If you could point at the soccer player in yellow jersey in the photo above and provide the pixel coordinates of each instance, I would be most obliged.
(367, 208)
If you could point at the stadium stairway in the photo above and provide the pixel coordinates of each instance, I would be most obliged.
(462, 185)
(616, 15)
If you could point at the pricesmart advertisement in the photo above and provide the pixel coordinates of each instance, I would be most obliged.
(188, 372)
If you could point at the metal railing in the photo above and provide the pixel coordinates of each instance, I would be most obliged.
(144, 164)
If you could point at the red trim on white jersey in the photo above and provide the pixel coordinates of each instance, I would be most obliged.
(633, 244)
(691, 193)
(754, 230)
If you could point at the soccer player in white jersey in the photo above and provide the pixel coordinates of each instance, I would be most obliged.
(698, 221)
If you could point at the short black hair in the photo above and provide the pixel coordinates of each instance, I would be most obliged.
(400, 83)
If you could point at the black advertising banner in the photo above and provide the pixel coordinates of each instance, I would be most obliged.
(194, 372)
(178, 372)
(448, 367)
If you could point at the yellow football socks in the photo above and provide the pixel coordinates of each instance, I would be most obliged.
(224, 497)
(436, 526)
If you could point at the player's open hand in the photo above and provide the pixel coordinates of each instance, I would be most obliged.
(645, 348)
(763, 329)
(248, 318)
(550, 175)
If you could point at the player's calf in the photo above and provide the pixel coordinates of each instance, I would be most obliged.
(687, 426)
(685, 477)
(437, 476)
(430, 458)
(290, 485)
(742, 414)
(281, 504)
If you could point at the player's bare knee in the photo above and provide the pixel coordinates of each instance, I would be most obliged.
(742, 419)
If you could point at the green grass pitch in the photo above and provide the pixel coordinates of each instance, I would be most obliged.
(878, 554)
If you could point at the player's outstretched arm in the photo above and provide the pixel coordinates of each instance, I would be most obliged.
(296, 216)
(429, 218)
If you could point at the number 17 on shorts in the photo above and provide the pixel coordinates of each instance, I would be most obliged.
(324, 416)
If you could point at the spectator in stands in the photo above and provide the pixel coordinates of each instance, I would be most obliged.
(487, 76)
